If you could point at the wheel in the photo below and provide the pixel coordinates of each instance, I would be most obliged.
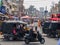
(10, 38)
(56, 36)
(42, 41)
(5, 39)
(26, 41)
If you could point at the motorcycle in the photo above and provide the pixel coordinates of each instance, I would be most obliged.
(34, 38)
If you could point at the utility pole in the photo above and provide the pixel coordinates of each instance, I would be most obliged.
(20, 5)
(46, 12)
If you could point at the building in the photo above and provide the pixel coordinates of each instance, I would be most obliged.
(42, 9)
(59, 7)
(54, 9)
(33, 12)
(41, 12)
(14, 7)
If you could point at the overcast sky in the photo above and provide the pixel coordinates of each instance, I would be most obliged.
(39, 3)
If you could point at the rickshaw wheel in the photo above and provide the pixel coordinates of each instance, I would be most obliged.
(10, 38)
(26, 41)
(42, 41)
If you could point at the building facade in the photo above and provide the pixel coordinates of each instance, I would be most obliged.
(41, 12)
(54, 9)
(14, 7)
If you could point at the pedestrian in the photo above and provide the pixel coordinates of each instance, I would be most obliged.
(39, 23)
(39, 28)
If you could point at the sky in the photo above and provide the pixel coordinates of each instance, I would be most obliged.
(40, 3)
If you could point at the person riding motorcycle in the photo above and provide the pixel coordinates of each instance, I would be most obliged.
(32, 33)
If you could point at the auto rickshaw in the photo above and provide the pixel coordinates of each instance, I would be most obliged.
(34, 36)
(53, 29)
(45, 27)
(10, 31)
(58, 30)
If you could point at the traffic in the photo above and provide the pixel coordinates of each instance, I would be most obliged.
(19, 30)
(52, 27)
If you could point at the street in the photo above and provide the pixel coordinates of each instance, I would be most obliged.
(49, 41)
(18, 17)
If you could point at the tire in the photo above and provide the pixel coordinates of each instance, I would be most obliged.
(26, 41)
(4, 39)
(10, 38)
(49, 35)
(42, 41)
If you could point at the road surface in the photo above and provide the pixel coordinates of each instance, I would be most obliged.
(48, 41)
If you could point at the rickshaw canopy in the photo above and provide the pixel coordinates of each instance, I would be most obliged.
(14, 21)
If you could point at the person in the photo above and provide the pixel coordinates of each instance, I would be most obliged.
(31, 30)
(18, 28)
(14, 30)
(35, 32)
(26, 29)
(22, 33)
(39, 23)
(32, 33)
(21, 28)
